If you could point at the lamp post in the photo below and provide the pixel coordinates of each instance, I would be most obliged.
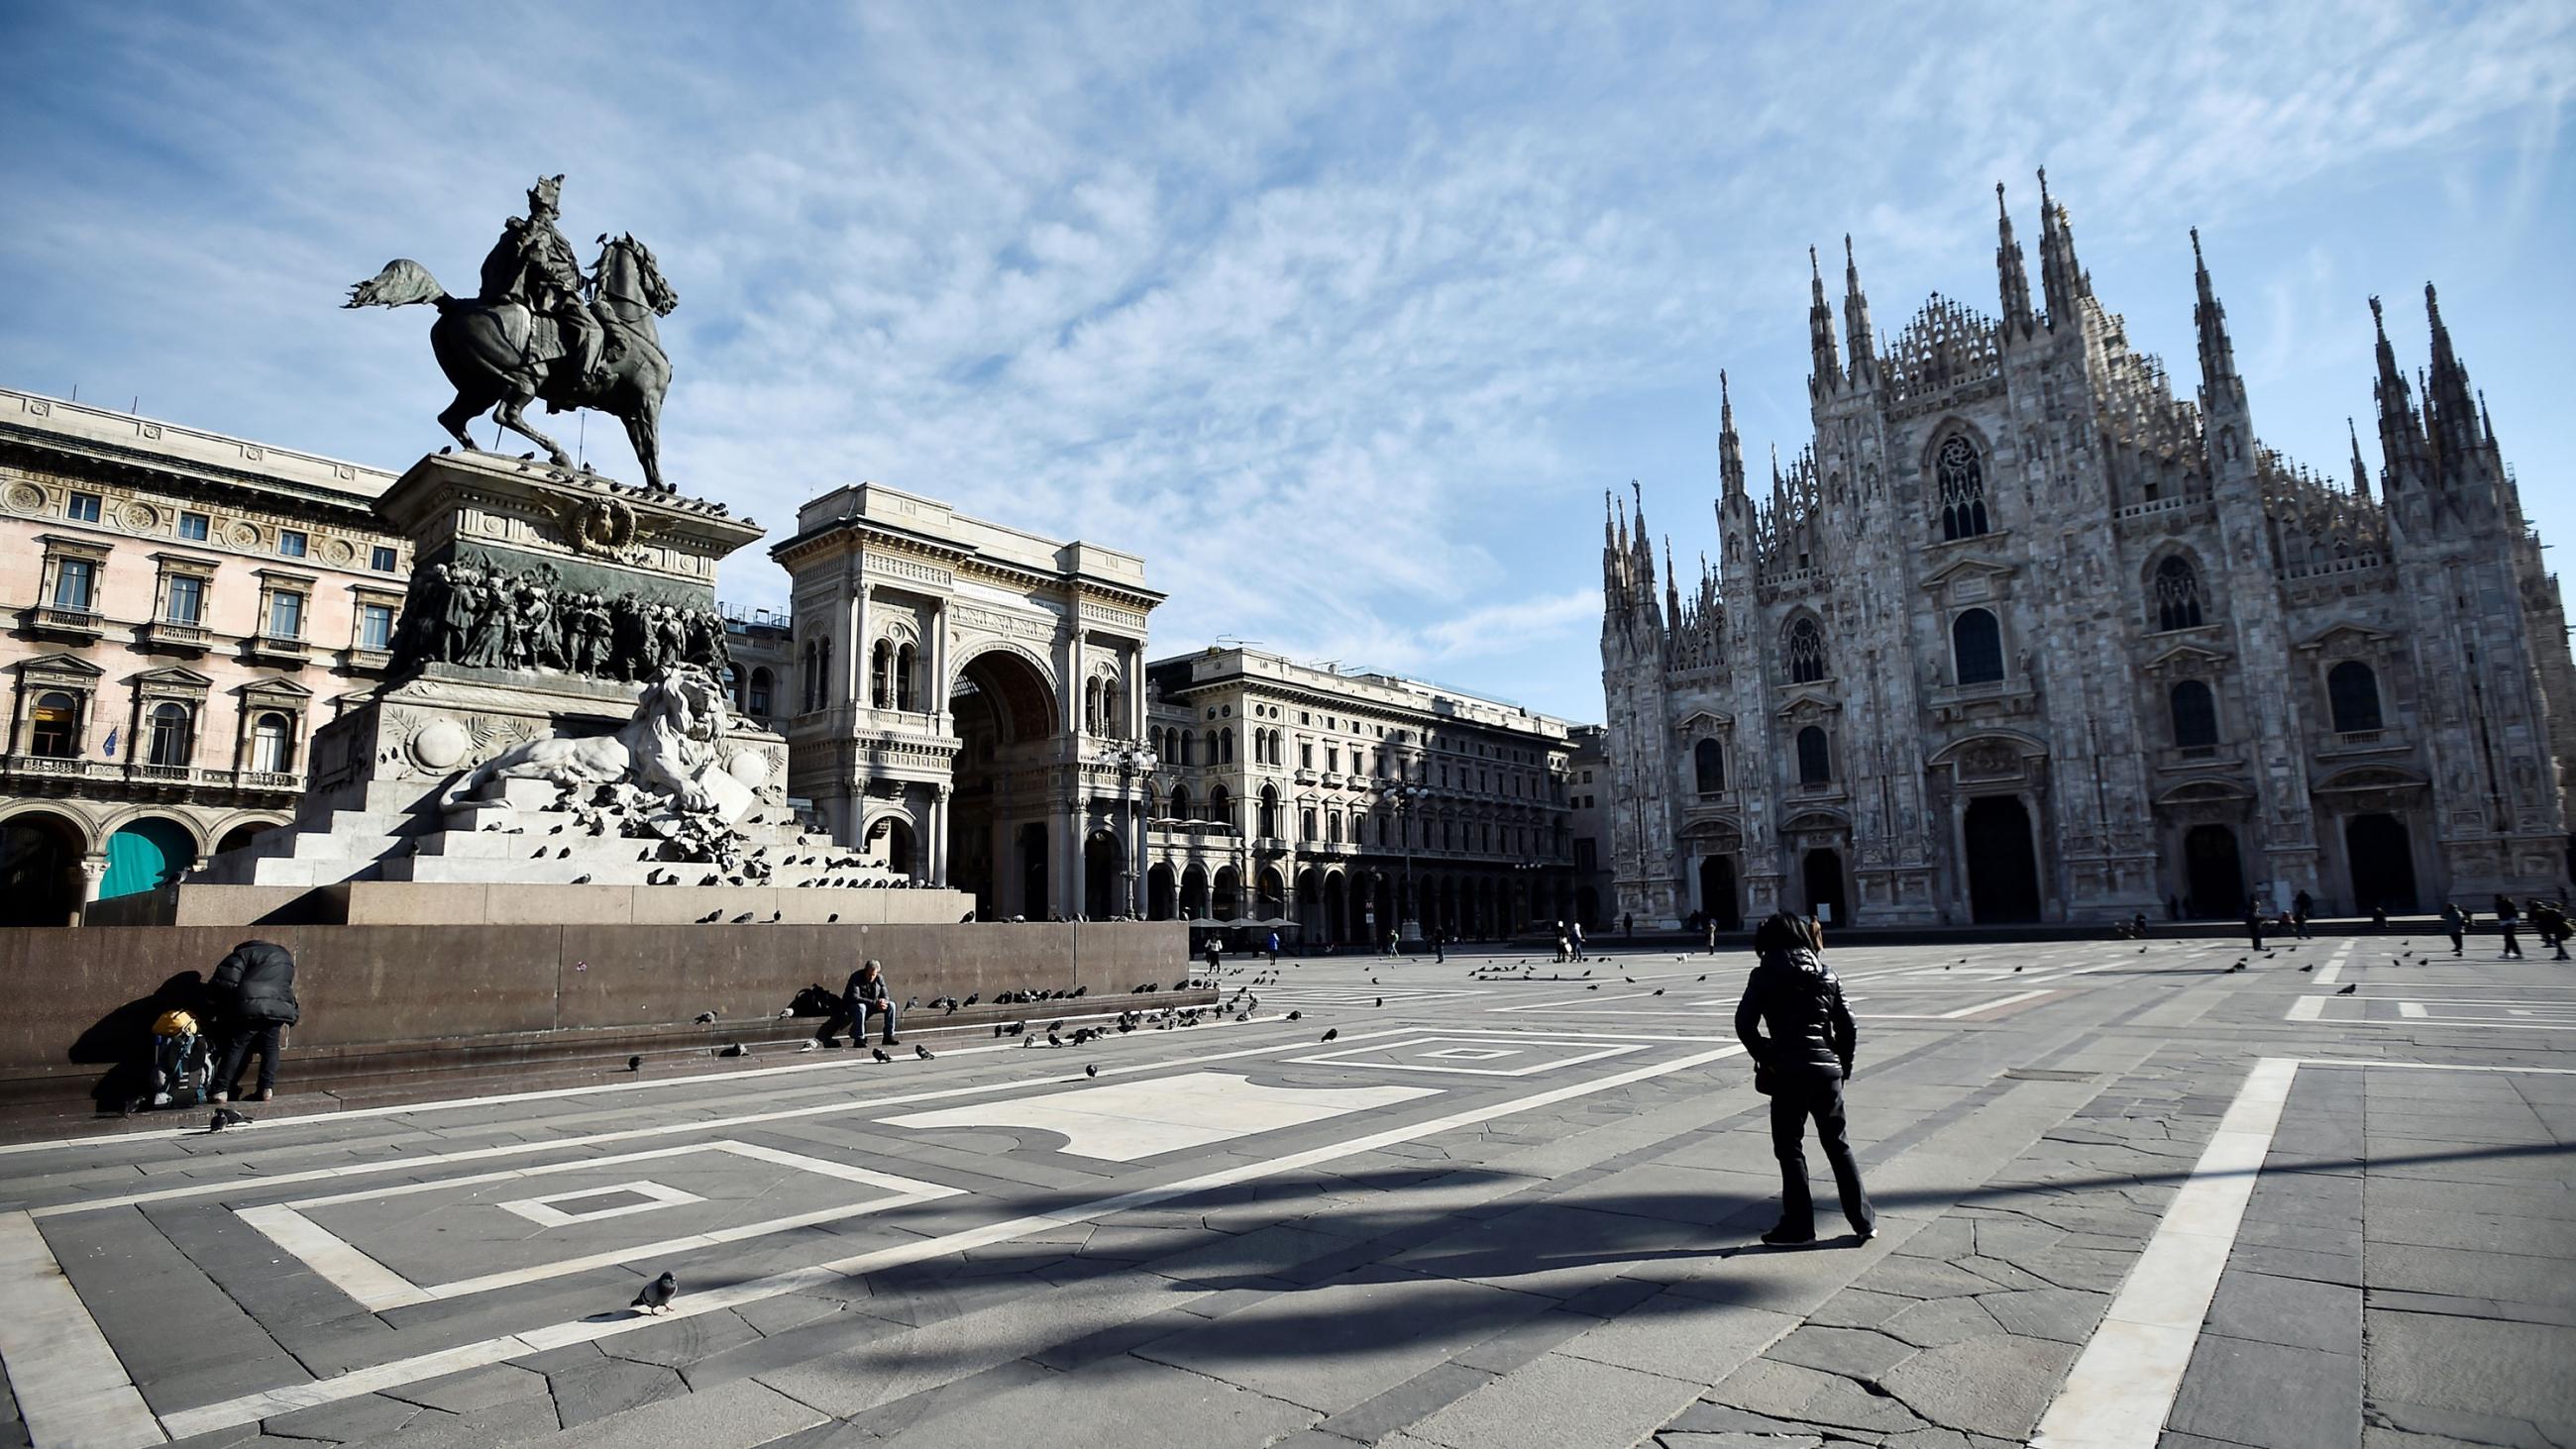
(1409, 925)
(1133, 757)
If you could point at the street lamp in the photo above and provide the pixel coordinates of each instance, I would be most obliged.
(1404, 796)
(1132, 757)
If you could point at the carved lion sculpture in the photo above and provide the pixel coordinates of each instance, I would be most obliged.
(668, 746)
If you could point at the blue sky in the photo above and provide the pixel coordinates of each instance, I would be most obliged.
(1343, 317)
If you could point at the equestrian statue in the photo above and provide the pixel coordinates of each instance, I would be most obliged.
(542, 328)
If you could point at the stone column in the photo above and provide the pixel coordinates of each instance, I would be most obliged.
(936, 866)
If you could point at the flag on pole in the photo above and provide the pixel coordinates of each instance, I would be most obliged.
(111, 743)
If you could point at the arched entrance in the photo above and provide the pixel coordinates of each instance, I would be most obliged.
(1159, 895)
(1310, 907)
(1717, 892)
(1104, 873)
(1001, 816)
(2003, 865)
(1225, 897)
(889, 844)
(1337, 915)
(146, 855)
(1194, 894)
(2213, 872)
(1823, 874)
(2383, 863)
(1273, 902)
(40, 871)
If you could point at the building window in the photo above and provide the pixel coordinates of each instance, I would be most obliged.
(1708, 763)
(285, 615)
(2195, 716)
(1961, 479)
(170, 744)
(82, 508)
(1180, 802)
(881, 676)
(1305, 825)
(56, 726)
(76, 585)
(1806, 652)
(1305, 755)
(904, 658)
(381, 558)
(1815, 758)
(2352, 692)
(272, 744)
(1333, 826)
(2177, 594)
(375, 626)
(185, 602)
(290, 542)
(758, 699)
(1977, 647)
(195, 526)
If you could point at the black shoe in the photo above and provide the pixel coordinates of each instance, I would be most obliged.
(893, 1041)
(1782, 1236)
(1863, 1235)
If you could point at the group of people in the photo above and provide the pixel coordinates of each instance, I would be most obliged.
(201, 1046)
(2548, 919)
(1569, 942)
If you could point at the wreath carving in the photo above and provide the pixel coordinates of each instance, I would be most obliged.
(603, 527)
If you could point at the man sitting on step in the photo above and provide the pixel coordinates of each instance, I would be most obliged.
(867, 991)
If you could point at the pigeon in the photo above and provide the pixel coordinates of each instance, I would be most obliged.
(1329, 1035)
(2349, 990)
(924, 1053)
(657, 1295)
(564, 854)
(2016, 970)
(227, 1117)
(734, 1049)
(1292, 1016)
(879, 1054)
(1659, 991)
(742, 919)
(1091, 1069)
(774, 916)
(1703, 976)
(712, 916)
(1381, 1001)
(2311, 966)
(634, 1064)
(708, 1018)
(832, 919)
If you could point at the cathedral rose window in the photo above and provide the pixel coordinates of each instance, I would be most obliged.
(1806, 652)
(1961, 480)
(2177, 594)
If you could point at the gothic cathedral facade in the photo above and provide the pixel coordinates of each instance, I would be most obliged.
(2023, 636)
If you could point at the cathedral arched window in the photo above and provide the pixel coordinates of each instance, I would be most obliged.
(1708, 764)
(1180, 802)
(1959, 478)
(1977, 647)
(1806, 648)
(881, 676)
(2195, 716)
(2176, 595)
(1815, 757)
(2352, 693)
(1220, 805)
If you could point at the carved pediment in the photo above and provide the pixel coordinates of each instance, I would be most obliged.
(1970, 565)
(1813, 821)
(2206, 791)
(1704, 721)
(2370, 777)
(59, 665)
(279, 688)
(2187, 657)
(173, 679)
(2346, 638)
(1807, 704)
(1993, 754)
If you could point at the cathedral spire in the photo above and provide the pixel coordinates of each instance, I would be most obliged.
(2220, 386)
(1820, 330)
(1730, 448)
(2401, 438)
(2060, 277)
(2449, 390)
(1864, 356)
(2010, 275)
(2360, 469)
(1672, 585)
(1779, 491)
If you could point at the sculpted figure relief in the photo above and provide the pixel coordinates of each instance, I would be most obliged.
(461, 613)
(540, 327)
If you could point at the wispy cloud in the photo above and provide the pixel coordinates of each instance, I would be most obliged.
(1340, 315)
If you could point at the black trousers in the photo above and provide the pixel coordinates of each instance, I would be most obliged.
(1798, 1092)
(240, 1039)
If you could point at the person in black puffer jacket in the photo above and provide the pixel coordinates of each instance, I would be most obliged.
(252, 998)
(1802, 1063)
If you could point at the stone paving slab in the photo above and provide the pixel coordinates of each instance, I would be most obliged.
(1564, 1258)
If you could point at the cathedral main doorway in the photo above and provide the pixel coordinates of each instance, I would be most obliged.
(2383, 863)
(2213, 872)
(2003, 866)
(1824, 880)
(1717, 892)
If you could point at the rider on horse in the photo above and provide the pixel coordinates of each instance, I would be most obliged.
(534, 266)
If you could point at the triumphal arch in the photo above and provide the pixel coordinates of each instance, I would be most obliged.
(968, 697)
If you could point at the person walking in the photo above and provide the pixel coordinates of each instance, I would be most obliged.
(1214, 955)
(867, 990)
(2301, 909)
(1577, 930)
(1712, 935)
(1439, 950)
(1274, 948)
(1795, 1025)
(2455, 921)
(2509, 924)
(2551, 920)
(2254, 921)
(252, 999)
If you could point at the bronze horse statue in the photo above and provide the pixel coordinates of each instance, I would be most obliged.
(501, 355)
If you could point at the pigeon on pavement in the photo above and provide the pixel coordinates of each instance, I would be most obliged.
(2349, 990)
(924, 1053)
(708, 1018)
(1091, 1069)
(1334, 1032)
(634, 1064)
(879, 1054)
(657, 1295)
(227, 1117)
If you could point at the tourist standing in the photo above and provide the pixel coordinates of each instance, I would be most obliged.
(1794, 1023)
(2456, 921)
(1577, 937)
(2254, 921)
(2301, 908)
(1274, 948)
(253, 1001)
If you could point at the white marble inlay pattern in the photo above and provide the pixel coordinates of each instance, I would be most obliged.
(1125, 1121)
(1473, 1054)
(544, 1212)
(1424, 1062)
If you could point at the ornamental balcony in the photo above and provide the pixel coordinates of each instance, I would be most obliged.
(287, 651)
(172, 636)
(146, 774)
(56, 767)
(358, 660)
(60, 622)
(1269, 845)
(2347, 743)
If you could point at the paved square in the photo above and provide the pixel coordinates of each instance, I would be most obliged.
(2126, 1198)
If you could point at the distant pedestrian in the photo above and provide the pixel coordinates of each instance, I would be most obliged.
(2550, 920)
(2301, 908)
(1795, 1025)
(1577, 930)
(252, 997)
(1712, 935)
(1274, 948)
(2509, 923)
(2379, 915)
(2139, 925)
(2254, 921)
(1628, 925)
(2173, 908)
(2456, 921)
(1564, 946)
(1437, 953)
(1215, 954)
